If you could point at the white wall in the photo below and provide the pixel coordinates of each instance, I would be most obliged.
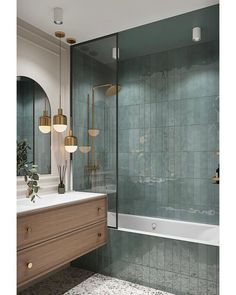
(38, 59)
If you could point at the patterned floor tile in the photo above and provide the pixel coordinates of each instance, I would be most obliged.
(73, 281)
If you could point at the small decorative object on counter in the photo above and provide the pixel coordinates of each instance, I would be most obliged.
(31, 178)
(62, 173)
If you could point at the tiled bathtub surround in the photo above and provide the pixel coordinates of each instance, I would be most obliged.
(178, 267)
(74, 281)
(168, 134)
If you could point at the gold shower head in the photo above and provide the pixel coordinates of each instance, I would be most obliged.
(112, 89)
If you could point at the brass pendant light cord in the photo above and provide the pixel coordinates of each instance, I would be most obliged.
(93, 147)
(60, 75)
(93, 109)
(88, 98)
(88, 102)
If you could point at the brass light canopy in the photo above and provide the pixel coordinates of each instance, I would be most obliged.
(59, 34)
(71, 40)
(60, 120)
(45, 122)
(70, 142)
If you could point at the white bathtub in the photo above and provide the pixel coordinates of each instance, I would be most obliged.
(171, 229)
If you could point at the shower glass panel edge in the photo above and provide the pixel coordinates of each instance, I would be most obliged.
(92, 69)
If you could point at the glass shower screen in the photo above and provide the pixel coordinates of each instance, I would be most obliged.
(94, 90)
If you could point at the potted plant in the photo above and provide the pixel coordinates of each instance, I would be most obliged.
(31, 178)
(22, 154)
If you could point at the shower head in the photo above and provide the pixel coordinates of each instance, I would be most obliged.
(112, 89)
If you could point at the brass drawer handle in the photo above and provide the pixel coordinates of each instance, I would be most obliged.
(29, 265)
(99, 209)
(29, 229)
(99, 235)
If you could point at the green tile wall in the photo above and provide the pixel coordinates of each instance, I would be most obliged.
(167, 143)
(42, 148)
(168, 134)
(180, 267)
(31, 100)
(25, 124)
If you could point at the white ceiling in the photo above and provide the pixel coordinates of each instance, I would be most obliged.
(89, 19)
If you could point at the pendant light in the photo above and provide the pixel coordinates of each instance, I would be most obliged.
(93, 132)
(86, 148)
(45, 121)
(60, 120)
(70, 142)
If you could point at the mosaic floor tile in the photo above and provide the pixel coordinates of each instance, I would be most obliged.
(73, 281)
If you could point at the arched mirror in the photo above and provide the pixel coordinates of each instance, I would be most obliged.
(33, 146)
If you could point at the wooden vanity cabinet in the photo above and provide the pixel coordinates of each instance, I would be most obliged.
(52, 237)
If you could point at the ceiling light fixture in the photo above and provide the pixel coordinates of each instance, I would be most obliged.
(45, 121)
(60, 120)
(70, 142)
(196, 34)
(86, 148)
(58, 16)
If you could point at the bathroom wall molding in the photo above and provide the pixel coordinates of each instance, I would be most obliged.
(39, 37)
(38, 59)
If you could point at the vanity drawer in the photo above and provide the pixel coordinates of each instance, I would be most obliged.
(40, 259)
(37, 227)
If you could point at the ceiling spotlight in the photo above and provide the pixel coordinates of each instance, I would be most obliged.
(58, 16)
(196, 34)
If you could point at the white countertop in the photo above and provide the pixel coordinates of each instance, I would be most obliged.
(53, 200)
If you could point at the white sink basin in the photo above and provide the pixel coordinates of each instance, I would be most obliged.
(52, 200)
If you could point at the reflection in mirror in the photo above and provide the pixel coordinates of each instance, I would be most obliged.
(33, 146)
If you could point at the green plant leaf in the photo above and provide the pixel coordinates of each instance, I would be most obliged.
(35, 176)
(30, 191)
